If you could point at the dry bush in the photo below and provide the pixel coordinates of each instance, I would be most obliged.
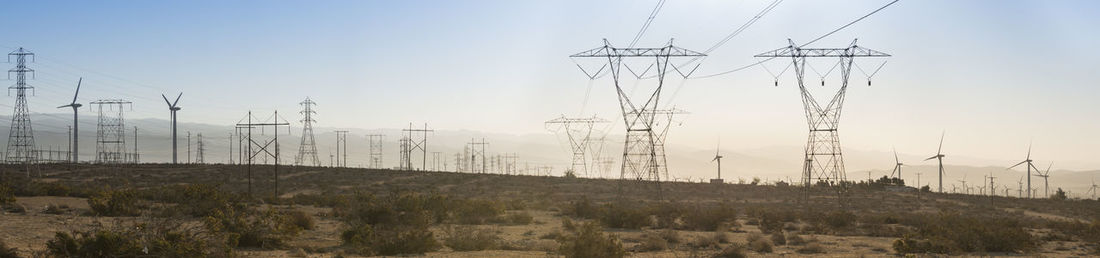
(520, 218)
(393, 225)
(476, 211)
(624, 215)
(6, 252)
(778, 238)
(7, 195)
(761, 245)
(708, 217)
(795, 239)
(197, 200)
(583, 208)
(591, 241)
(111, 203)
(733, 251)
(245, 227)
(301, 219)
(468, 238)
(165, 239)
(954, 232)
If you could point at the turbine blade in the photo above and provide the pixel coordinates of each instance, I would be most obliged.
(77, 88)
(1017, 164)
(940, 150)
(177, 99)
(930, 158)
(166, 100)
(896, 156)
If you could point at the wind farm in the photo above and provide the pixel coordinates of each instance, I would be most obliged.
(549, 129)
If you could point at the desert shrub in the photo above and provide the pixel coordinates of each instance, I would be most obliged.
(583, 208)
(301, 219)
(7, 195)
(795, 239)
(953, 232)
(839, 219)
(590, 241)
(625, 216)
(672, 236)
(120, 202)
(327, 199)
(812, 248)
(761, 245)
(666, 214)
(6, 252)
(551, 235)
(651, 243)
(708, 218)
(395, 224)
(778, 238)
(467, 238)
(771, 220)
(568, 224)
(244, 227)
(733, 251)
(198, 200)
(476, 211)
(520, 218)
(55, 209)
(166, 239)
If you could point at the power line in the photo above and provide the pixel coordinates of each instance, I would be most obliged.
(648, 21)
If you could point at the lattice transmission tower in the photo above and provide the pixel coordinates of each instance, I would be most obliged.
(21, 148)
(823, 161)
(375, 152)
(640, 155)
(579, 133)
(477, 161)
(410, 143)
(199, 150)
(341, 148)
(110, 144)
(663, 120)
(307, 151)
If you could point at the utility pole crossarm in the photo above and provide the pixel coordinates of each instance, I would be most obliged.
(852, 51)
(667, 51)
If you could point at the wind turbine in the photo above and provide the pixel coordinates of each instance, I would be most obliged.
(173, 108)
(1045, 176)
(1029, 166)
(897, 165)
(939, 156)
(718, 158)
(963, 181)
(1092, 189)
(75, 107)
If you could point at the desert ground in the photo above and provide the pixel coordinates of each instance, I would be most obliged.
(219, 211)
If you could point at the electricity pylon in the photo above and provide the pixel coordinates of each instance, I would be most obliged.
(199, 151)
(341, 148)
(823, 159)
(410, 143)
(111, 132)
(21, 148)
(579, 133)
(307, 151)
(375, 142)
(640, 147)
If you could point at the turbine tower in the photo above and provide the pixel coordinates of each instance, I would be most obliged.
(640, 144)
(1029, 167)
(1045, 176)
(76, 130)
(21, 148)
(307, 151)
(173, 108)
(822, 157)
(1092, 189)
(897, 165)
(939, 157)
(718, 158)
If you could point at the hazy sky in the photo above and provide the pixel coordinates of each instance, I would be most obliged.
(993, 74)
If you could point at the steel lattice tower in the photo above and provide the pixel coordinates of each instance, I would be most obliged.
(199, 151)
(21, 148)
(823, 161)
(341, 148)
(640, 154)
(411, 143)
(662, 135)
(375, 142)
(579, 133)
(110, 144)
(308, 149)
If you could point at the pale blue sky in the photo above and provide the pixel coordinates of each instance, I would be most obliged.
(994, 74)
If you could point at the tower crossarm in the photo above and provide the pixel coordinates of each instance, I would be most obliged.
(851, 51)
(609, 51)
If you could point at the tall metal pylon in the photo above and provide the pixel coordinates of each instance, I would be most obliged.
(341, 148)
(823, 161)
(21, 148)
(375, 154)
(477, 160)
(199, 150)
(411, 143)
(110, 131)
(662, 122)
(269, 148)
(579, 133)
(307, 151)
(640, 146)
